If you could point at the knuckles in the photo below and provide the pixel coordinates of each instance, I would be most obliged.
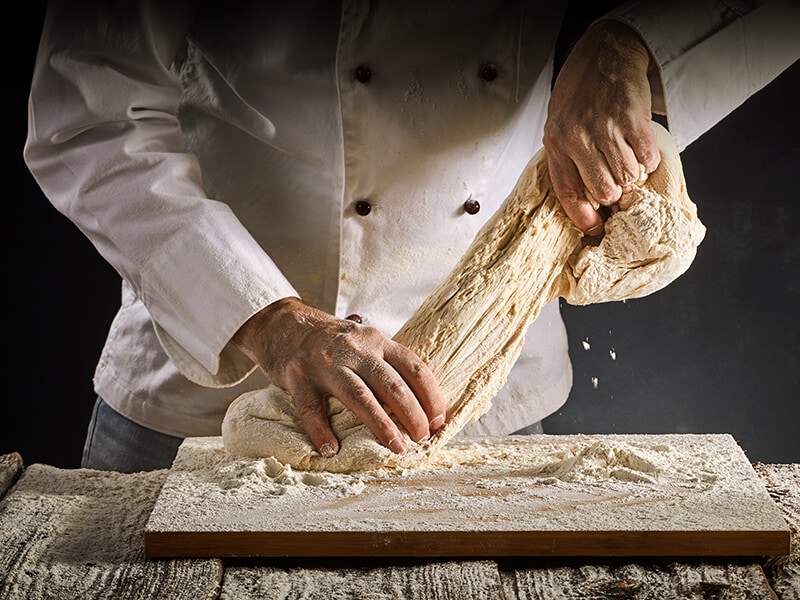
(416, 367)
(606, 193)
(650, 159)
(396, 388)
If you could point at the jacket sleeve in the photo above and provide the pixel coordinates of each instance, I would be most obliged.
(712, 55)
(105, 146)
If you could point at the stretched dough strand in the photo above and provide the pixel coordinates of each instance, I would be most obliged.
(471, 328)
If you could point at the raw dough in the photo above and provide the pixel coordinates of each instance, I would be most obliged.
(470, 330)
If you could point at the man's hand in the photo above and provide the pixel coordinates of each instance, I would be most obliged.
(313, 355)
(598, 124)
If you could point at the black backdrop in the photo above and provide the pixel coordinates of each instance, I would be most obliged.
(716, 351)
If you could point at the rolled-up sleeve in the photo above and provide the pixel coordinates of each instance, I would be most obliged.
(105, 146)
(712, 55)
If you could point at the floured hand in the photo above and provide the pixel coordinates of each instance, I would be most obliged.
(314, 356)
(598, 130)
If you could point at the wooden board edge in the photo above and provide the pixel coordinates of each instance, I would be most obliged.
(203, 544)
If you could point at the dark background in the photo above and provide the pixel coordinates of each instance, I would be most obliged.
(716, 351)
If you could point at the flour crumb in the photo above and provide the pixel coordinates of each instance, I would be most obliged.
(595, 381)
(613, 354)
(586, 344)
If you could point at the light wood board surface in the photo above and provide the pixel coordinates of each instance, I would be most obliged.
(711, 504)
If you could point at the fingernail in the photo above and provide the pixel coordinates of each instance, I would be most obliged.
(595, 231)
(423, 439)
(397, 445)
(326, 450)
(437, 422)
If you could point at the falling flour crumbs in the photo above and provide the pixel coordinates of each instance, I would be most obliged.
(577, 482)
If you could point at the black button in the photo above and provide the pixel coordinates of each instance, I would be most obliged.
(363, 208)
(472, 206)
(354, 318)
(488, 72)
(363, 73)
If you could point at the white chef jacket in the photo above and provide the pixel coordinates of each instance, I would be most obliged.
(222, 157)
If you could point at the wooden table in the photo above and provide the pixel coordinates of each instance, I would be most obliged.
(77, 533)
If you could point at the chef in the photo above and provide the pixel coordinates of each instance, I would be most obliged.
(280, 185)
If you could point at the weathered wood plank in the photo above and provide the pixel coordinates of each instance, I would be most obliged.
(685, 580)
(78, 534)
(783, 484)
(421, 581)
(11, 468)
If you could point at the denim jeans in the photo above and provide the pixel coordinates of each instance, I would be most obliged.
(115, 443)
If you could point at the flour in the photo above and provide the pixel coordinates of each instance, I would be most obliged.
(231, 475)
(585, 461)
(589, 461)
(515, 483)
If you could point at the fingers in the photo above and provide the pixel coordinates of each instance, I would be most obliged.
(424, 388)
(352, 391)
(386, 385)
(312, 408)
(596, 174)
(645, 148)
(393, 387)
(621, 161)
(598, 131)
(569, 188)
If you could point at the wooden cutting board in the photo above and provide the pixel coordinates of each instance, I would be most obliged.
(579, 495)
